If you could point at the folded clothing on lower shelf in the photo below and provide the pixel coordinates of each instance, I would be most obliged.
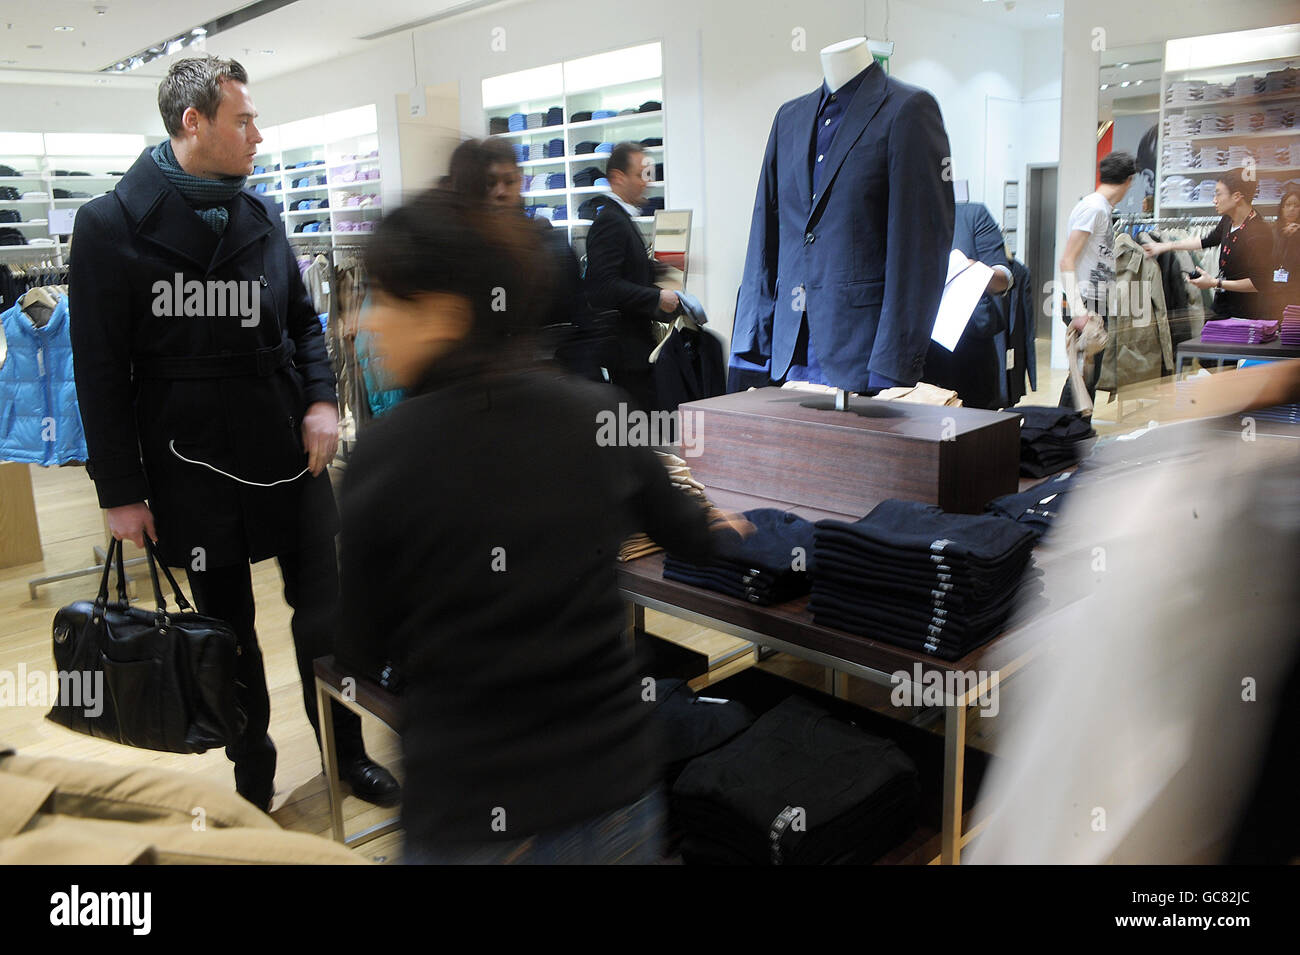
(1051, 439)
(916, 576)
(771, 565)
(799, 787)
(1037, 507)
(1240, 331)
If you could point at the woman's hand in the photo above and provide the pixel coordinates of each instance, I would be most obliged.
(1291, 228)
(1153, 249)
(1203, 281)
(729, 520)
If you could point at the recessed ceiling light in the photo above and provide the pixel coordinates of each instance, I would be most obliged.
(199, 31)
(35, 46)
(1053, 16)
(64, 29)
(1105, 86)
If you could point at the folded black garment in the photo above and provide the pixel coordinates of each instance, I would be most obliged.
(650, 105)
(943, 647)
(498, 124)
(922, 568)
(918, 615)
(581, 116)
(590, 208)
(586, 146)
(1039, 418)
(913, 526)
(763, 597)
(919, 566)
(773, 544)
(688, 727)
(8, 171)
(832, 580)
(588, 176)
(746, 577)
(1036, 507)
(652, 141)
(858, 793)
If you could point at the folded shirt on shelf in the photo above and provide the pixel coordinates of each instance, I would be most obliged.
(858, 792)
(1051, 439)
(771, 565)
(1244, 331)
(916, 576)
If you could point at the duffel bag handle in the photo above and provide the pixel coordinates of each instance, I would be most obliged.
(101, 599)
(156, 561)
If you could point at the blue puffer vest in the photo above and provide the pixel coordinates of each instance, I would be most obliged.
(40, 422)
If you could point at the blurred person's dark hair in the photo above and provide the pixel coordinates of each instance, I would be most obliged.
(621, 158)
(1234, 180)
(1292, 192)
(444, 241)
(1116, 168)
(470, 162)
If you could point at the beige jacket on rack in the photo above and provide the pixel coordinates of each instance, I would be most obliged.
(1139, 332)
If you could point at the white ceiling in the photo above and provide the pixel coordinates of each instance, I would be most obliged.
(1012, 14)
(301, 34)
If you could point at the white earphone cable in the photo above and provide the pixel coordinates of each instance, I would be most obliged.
(172, 444)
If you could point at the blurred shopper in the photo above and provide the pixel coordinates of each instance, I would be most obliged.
(481, 520)
(486, 170)
(1162, 720)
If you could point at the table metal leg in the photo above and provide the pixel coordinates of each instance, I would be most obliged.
(326, 712)
(633, 622)
(954, 768)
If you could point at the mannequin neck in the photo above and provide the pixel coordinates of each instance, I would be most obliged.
(845, 60)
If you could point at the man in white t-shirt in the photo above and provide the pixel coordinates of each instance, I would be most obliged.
(1088, 262)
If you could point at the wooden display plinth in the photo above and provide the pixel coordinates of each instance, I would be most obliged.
(793, 447)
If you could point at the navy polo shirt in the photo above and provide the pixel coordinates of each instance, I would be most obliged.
(829, 113)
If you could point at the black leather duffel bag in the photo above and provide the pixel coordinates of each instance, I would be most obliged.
(147, 678)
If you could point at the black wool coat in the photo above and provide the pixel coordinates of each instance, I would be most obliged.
(141, 421)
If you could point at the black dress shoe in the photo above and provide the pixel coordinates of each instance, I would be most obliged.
(371, 782)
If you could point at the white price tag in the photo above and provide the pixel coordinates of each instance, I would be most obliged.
(1281, 275)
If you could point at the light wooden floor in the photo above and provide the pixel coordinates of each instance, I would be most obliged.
(70, 525)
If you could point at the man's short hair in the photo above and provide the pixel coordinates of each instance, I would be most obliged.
(621, 158)
(1116, 168)
(195, 81)
(1234, 180)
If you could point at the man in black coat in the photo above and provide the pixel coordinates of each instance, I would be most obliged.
(207, 395)
(620, 274)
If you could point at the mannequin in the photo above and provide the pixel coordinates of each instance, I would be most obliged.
(852, 221)
(844, 60)
(840, 63)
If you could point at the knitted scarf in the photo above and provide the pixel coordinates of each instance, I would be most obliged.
(206, 196)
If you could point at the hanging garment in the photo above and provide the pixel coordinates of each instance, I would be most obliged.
(1021, 332)
(40, 422)
(1139, 338)
(976, 368)
(859, 252)
(688, 366)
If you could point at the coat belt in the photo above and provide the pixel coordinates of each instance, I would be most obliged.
(260, 363)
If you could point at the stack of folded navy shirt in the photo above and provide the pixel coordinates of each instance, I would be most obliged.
(913, 575)
(1051, 439)
(770, 566)
(1037, 507)
(737, 805)
(688, 725)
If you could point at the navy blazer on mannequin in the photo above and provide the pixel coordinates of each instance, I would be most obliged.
(869, 253)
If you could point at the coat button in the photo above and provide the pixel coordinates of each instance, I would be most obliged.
(808, 238)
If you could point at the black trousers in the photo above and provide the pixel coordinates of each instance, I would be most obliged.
(311, 589)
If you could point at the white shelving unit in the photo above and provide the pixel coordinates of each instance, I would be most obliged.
(1226, 95)
(337, 146)
(44, 161)
(619, 80)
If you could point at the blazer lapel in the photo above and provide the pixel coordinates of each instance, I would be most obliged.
(863, 108)
(248, 223)
(162, 217)
(798, 145)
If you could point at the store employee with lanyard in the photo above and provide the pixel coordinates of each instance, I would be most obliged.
(1245, 245)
